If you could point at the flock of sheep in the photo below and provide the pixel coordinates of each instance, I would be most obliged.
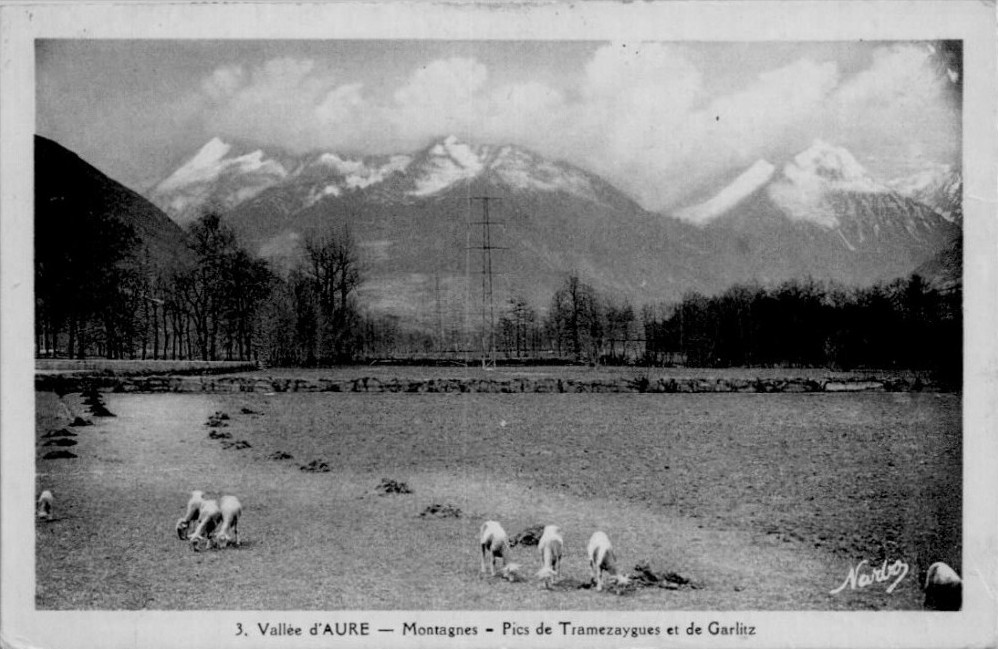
(217, 521)
(495, 545)
(943, 586)
(217, 525)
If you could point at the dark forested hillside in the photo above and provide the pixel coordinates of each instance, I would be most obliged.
(97, 245)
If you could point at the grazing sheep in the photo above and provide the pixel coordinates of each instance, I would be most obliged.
(193, 512)
(550, 546)
(208, 521)
(601, 557)
(511, 572)
(231, 510)
(494, 543)
(45, 505)
(943, 588)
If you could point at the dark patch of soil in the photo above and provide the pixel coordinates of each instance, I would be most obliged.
(219, 434)
(393, 487)
(643, 575)
(80, 421)
(315, 466)
(529, 536)
(101, 411)
(281, 455)
(237, 445)
(93, 399)
(58, 455)
(570, 583)
(437, 510)
(217, 420)
(250, 411)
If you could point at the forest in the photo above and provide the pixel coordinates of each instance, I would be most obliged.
(98, 294)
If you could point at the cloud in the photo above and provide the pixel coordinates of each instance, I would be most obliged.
(736, 130)
(643, 115)
(902, 108)
(648, 78)
(443, 82)
(899, 75)
(223, 82)
(440, 98)
(664, 136)
(275, 102)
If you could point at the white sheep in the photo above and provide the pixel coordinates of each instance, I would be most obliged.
(231, 511)
(550, 547)
(193, 513)
(943, 588)
(494, 542)
(601, 557)
(208, 522)
(44, 509)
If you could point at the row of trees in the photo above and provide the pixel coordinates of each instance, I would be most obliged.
(100, 294)
(904, 323)
(312, 316)
(106, 299)
(86, 280)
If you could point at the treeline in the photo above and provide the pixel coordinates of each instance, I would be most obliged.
(100, 294)
(88, 285)
(903, 324)
(799, 323)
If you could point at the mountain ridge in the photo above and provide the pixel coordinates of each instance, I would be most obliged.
(66, 186)
(819, 214)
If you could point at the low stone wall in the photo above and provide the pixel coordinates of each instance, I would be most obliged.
(66, 383)
(94, 366)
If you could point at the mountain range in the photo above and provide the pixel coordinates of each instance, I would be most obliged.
(415, 218)
(822, 214)
(819, 214)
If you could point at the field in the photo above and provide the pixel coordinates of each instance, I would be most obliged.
(576, 372)
(764, 501)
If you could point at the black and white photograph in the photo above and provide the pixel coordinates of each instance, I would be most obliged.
(413, 334)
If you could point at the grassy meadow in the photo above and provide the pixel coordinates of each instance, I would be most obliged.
(764, 501)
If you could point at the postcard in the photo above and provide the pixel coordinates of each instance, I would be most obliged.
(385, 324)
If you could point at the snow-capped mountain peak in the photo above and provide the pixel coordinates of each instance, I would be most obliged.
(463, 154)
(208, 158)
(447, 162)
(221, 175)
(210, 162)
(830, 162)
(823, 185)
(801, 189)
(207, 177)
(807, 188)
(357, 174)
(823, 167)
(744, 185)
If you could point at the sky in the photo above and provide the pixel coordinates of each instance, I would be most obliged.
(662, 121)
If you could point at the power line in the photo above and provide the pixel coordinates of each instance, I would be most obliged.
(488, 301)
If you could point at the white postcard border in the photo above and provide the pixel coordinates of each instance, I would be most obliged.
(973, 22)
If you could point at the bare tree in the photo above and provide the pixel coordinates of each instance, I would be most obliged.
(332, 269)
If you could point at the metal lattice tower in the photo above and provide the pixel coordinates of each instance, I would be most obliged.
(488, 301)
